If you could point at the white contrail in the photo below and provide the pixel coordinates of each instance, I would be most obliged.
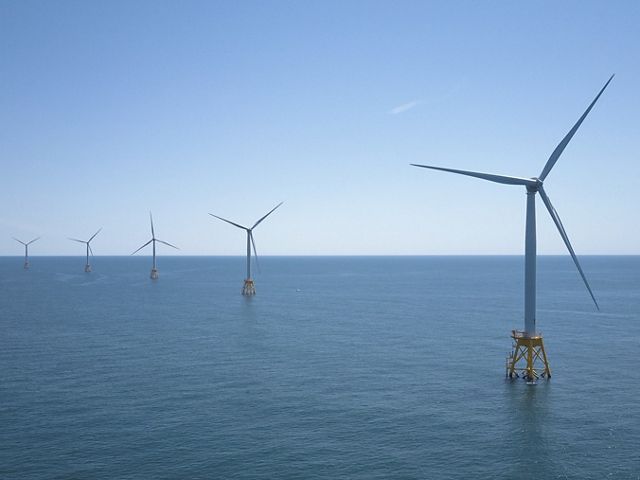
(404, 107)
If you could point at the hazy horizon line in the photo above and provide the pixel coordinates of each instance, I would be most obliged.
(349, 255)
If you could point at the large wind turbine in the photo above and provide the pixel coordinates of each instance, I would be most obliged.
(87, 267)
(26, 250)
(249, 287)
(529, 342)
(154, 271)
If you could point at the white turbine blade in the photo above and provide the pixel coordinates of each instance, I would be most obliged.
(153, 234)
(255, 252)
(37, 238)
(485, 176)
(90, 249)
(76, 240)
(565, 238)
(94, 235)
(19, 241)
(167, 243)
(229, 221)
(142, 247)
(270, 212)
(561, 146)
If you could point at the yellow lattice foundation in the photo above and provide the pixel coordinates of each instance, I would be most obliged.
(528, 358)
(249, 288)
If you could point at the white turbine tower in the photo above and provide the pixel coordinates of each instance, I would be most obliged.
(528, 344)
(87, 267)
(249, 286)
(26, 250)
(154, 271)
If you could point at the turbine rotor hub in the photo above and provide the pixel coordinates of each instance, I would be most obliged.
(536, 187)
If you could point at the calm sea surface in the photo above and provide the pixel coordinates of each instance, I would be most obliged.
(339, 367)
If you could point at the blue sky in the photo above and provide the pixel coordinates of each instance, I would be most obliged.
(111, 109)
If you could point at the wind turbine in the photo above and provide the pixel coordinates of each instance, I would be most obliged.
(87, 267)
(26, 250)
(528, 344)
(154, 271)
(249, 287)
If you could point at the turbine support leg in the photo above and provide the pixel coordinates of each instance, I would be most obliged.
(528, 358)
(87, 268)
(26, 265)
(248, 288)
(154, 274)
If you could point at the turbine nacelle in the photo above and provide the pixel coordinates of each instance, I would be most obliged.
(535, 187)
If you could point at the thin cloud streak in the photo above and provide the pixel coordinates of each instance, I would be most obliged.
(404, 107)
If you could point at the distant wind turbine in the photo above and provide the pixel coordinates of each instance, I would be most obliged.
(529, 342)
(154, 271)
(26, 250)
(249, 286)
(87, 267)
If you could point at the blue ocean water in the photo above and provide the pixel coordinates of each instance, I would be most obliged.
(339, 367)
